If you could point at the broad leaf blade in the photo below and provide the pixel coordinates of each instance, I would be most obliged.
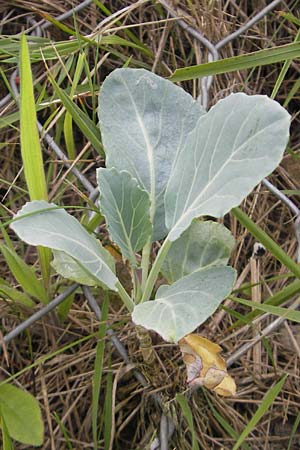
(21, 414)
(180, 308)
(58, 230)
(126, 208)
(144, 121)
(203, 244)
(236, 144)
(67, 267)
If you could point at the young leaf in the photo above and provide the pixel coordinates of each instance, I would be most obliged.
(69, 268)
(144, 121)
(236, 144)
(24, 275)
(21, 414)
(180, 308)
(47, 225)
(126, 208)
(202, 244)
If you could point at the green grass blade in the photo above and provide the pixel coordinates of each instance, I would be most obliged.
(283, 72)
(188, 415)
(286, 313)
(97, 377)
(84, 123)
(63, 430)
(64, 308)
(30, 145)
(108, 404)
(255, 59)
(262, 409)
(293, 432)
(6, 440)
(68, 122)
(294, 90)
(277, 299)
(24, 274)
(224, 424)
(267, 241)
(15, 295)
(30, 142)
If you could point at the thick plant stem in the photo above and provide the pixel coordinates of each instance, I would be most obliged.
(127, 300)
(145, 344)
(145, 263)
(155, 269)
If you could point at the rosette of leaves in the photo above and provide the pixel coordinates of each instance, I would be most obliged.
(168, 163)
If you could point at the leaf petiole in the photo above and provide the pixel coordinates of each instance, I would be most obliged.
(127, 300)
(156, 269)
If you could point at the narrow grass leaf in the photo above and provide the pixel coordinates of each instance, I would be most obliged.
(283, 72)
(277, 299)
(24, 275)
(294, 90)
(267, 241)
(63, 430)
(108, 404)
(84, 123)
(30, 144)
(188, 415)
(98, 369)
(262, 409)
(224, 424)
(6, 440)
(276, 310)
(15, 295)
(293, 432)
(64, 308)
(255, 59)
(68, 122)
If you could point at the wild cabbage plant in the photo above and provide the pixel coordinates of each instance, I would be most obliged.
(168, 163)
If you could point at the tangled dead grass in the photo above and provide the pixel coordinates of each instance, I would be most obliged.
(63, 381)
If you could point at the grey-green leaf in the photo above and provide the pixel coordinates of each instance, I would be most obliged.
(126, 208)
(21, 414)
(69, 268)
(180, 308)
(47, 225)
(203, 244)
(232, 148)
(144, 121)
